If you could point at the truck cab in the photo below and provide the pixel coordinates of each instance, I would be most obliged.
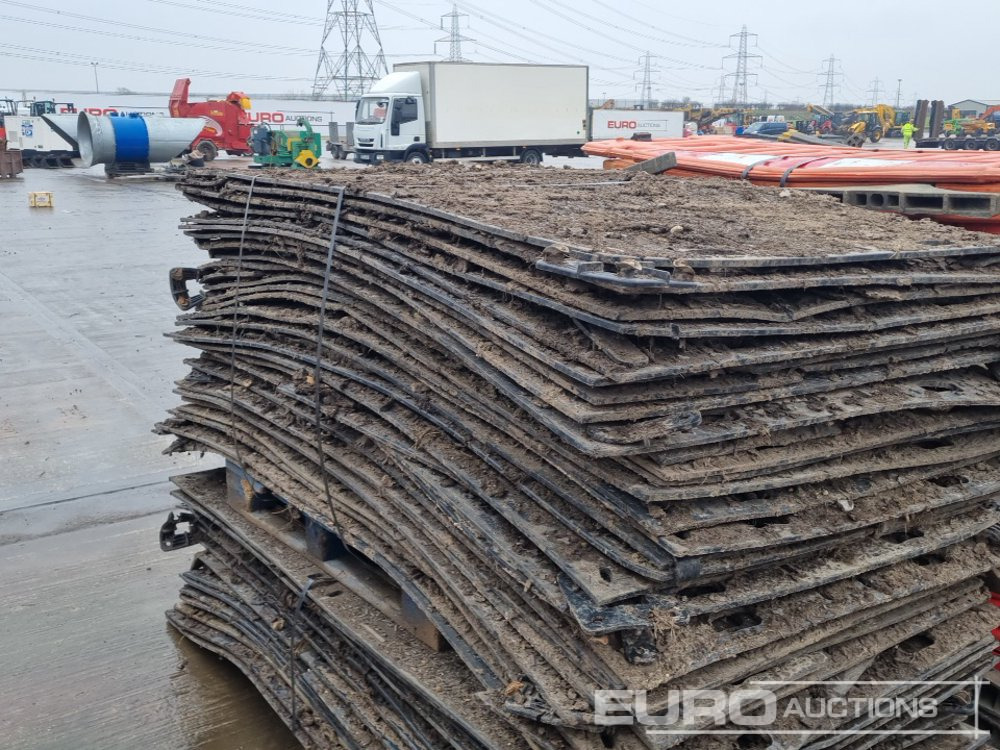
(389, 122)
(39, 107)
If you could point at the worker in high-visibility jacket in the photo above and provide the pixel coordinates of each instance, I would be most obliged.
(907, 129)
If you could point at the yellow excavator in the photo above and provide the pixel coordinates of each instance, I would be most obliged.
(872, 122)
(858, 125)
(825, 120)
(705, 116)
(958, 125)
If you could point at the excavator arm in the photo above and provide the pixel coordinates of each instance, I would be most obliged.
(711, 115)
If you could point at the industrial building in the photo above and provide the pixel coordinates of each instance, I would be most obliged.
(974, 107)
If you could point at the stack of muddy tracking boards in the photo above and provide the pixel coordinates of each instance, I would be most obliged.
(515, 436)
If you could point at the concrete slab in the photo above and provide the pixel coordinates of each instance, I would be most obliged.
(84, 374)
(656, 165)
(916, 199)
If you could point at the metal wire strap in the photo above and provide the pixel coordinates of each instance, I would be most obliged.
(293, 627)
(236, 313)
(318, 369)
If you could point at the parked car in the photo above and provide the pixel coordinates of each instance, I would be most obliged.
(766, 128)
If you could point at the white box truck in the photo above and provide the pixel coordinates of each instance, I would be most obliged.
(428, 110)
(448, 110)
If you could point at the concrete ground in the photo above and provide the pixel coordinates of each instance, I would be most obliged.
(88, 660)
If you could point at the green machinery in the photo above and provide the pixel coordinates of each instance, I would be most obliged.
(278, 148)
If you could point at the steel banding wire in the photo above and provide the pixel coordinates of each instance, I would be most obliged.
(293, 625)
(236, 313)
(317, 370)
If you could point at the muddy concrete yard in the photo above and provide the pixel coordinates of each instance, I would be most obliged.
(87, 658)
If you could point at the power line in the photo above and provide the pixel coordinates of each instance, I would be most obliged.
(875, 91)
(722, 90)
(432, 25)
(139, 27)
(793, 84)
(645, 62)
(572, 17)
(576, 12)
(454, 37)
(830, 86)
(742, 75)
(245, 8)
(69, 58)
(646, 24)
(227, 45)
(354, 70)
(789, 68)
(480, 43)
(524, 32)
(854, 89)
(658, 9)
(507, 47)
(266, 15)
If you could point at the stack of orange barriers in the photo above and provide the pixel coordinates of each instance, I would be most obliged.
(802, 165)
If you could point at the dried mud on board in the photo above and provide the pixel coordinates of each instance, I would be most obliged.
(570, 505)
(607, 211)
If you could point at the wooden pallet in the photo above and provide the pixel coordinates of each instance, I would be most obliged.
(294, 526)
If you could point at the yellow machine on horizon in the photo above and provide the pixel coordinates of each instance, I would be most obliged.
(958, 125)
(864, 123)
(876, 122)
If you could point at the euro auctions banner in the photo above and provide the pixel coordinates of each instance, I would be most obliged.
(624, 123)
(275, 112)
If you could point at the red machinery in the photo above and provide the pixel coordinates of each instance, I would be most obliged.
(7, 107)
(227, 122)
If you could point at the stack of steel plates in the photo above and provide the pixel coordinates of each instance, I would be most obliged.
(499, 439)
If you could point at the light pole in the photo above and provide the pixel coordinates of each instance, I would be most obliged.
(899, 92)
(97, 85)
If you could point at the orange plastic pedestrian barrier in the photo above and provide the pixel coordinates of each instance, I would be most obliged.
(804, 165)
(780, 164)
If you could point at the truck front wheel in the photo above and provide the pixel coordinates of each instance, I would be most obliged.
(418, 157)
(531, 156)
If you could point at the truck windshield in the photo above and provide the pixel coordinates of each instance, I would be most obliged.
(371, 111)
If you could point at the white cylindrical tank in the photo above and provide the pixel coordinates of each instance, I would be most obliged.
(134, 139)
(64, 125)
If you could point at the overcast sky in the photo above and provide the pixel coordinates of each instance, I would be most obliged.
(267, 46)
